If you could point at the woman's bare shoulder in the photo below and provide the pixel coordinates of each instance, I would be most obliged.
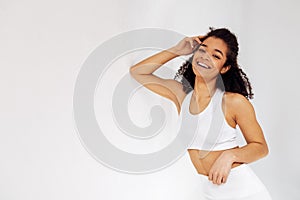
(236, 101)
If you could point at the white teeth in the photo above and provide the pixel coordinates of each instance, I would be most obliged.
(203, 65)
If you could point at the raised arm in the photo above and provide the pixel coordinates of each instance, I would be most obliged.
(169, 88)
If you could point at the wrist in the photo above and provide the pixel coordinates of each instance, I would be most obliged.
(173, 50)
(230, 155)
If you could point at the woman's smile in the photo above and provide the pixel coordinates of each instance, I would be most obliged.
(201, 64)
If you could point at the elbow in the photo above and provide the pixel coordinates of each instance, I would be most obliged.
(264, 150)
(134, 71)
(131, 71)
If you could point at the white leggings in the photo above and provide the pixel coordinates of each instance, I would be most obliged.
(241, 184)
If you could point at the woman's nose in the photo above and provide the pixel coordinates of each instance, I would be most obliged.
(204, 56)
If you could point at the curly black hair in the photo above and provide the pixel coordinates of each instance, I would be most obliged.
(234, 80)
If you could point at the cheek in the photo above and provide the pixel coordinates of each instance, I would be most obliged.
(219, 64)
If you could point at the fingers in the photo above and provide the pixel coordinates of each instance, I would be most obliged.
(201, 36)
(210, 176)
(197, 39)
(192, 39)
(191, 42)
(217, 178)
(224, 179)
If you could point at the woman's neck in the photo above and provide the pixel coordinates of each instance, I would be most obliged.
(203, 88)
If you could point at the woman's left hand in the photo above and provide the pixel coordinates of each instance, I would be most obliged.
(220, 170)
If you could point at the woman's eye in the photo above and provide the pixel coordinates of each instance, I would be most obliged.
(217, 57)
(203, 51)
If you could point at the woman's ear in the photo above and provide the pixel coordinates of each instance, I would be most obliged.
(225, 69)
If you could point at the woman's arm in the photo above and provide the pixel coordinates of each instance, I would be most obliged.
(169, 88)
(142, 72)
(149, 65)
(256, 147)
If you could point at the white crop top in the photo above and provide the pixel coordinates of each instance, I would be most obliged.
(210, 130)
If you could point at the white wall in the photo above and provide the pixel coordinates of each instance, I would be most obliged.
(43, 45)
(270, 41)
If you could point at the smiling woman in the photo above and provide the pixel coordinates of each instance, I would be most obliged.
(235, 80)
(212, 82)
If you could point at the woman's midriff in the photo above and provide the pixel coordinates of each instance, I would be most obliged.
(203, 160)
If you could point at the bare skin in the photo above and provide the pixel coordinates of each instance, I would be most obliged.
(236, 108)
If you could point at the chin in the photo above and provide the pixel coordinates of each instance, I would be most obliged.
(204, 75)
(198, 73)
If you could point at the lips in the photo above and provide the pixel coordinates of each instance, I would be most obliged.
(203, 65)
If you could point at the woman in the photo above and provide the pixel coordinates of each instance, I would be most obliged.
(212, 75)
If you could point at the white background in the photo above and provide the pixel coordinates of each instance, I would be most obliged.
(42, 46)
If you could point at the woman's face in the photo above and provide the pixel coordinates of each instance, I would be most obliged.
(209, 58)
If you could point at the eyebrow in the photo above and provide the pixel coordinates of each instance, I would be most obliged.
(204, 45)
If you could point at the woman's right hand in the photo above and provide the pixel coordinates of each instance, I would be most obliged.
(186, 45)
